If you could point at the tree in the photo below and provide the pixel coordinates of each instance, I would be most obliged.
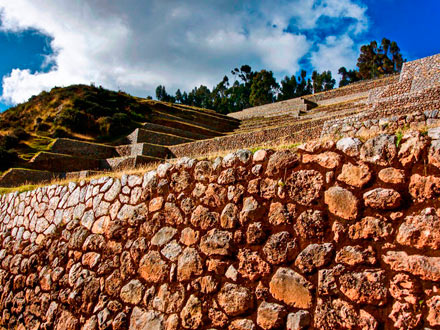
(162, 95)
(178, 96)
(288, 88)
(348, 77)
(322, 81)
(304, 85)
(374, 60)
(263, 88)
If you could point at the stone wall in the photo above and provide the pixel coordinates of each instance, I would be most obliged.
(364, 124)
(339, 235)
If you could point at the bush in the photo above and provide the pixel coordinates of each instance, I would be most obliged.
(20, 133)
(8, 141)
(73, 119)
(7, 159)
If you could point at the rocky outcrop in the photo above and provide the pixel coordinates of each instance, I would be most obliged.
(333, 236)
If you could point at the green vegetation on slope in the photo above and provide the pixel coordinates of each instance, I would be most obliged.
(79, 112)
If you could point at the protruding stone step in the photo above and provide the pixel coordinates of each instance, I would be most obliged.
(143, 149)
(47, 161)
(82, 149)
(121, 163)
(141, 135)
(15, 177)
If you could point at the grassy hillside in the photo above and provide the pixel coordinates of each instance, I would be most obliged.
(79, 112)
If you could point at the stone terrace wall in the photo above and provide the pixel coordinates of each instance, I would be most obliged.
(355, 88)
(360, 126)
(336, 236)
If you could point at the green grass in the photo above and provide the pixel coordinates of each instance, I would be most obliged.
(20, 189)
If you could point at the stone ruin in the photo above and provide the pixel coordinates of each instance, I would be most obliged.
(338, 234)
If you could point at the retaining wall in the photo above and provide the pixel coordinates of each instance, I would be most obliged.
(334, 236)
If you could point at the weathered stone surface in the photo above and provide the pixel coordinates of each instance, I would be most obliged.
(229, 216)
(203, 218)
(327, 280)
(380, 150)
(189, 264)
(350, 146)
(270, 315)
(392, 175)
(256, 233)
(299, 320)
(356, 176)
(404, 288)
(251, 265)
(279, 248)
(291, 288)
(163, 236)
(67, 322)
(172, 250)
(329, 159)
(342, 203)
(411, 149)
(420, 230)
(131, 293)
(251, 210)
(234, 299)
(242, 324)
(156, 204)
(152, 268)
(355, 255)
(434, 153)
(305, 186)
(405, 316)
(434, 311)
(310, 224)
(339, 314)
(281, 161)
(216, 242)
(370, 228)
(146, 320)
(169, 300)
(191, 315)
(384, 199)
(314, 256)
(427, 268)
(172, 214)
(279, 214)
(189, 236)
(424, 188)
(367, 287)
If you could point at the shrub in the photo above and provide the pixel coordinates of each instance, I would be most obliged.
(73, 119)
(8, 141)
(20, 133)
(7, 159)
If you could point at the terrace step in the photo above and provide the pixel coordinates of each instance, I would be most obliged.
(21, 176)
(208, 120)
(53, 162)
(174, 131)
(121, 163)
(82, 148)
(143, 149)
(141, 135)
(82, 174)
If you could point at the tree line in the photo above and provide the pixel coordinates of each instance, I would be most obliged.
(248, 88)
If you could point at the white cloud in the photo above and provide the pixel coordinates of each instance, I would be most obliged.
(334, 53)
(135, 45)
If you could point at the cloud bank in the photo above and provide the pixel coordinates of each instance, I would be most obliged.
(135, 45)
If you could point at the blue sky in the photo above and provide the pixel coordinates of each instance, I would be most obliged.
(138, 45)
